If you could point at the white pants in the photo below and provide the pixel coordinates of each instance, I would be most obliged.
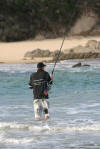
(40, 106)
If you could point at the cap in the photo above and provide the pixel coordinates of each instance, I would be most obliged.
(40, 65)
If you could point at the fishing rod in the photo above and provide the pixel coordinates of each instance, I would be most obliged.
(74, 13)
(58, 55)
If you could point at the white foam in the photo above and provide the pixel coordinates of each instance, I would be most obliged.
(13, 126)
(72, 111)
(39, 128)
(20, 68)
(11, 107)
(94, 105)
(83, 121)
(23, 126)
(63, 65)
(93, 127)
(2, 134)
(16, 141)
(68, 127)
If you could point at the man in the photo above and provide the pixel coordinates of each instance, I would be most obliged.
(40, 82)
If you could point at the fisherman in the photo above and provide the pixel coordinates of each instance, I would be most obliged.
(40, 82)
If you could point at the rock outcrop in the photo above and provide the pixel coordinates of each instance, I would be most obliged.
(93, 44)
(37, 53)
(80, 65)
(91, 50)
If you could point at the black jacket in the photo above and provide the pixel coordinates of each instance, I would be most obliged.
(39, 81)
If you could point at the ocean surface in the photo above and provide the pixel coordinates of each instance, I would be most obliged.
(74, 108)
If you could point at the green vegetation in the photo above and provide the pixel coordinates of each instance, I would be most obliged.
(24, 19)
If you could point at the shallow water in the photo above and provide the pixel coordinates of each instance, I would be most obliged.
(74, 108)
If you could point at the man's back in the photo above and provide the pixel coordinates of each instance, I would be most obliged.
(39, 81)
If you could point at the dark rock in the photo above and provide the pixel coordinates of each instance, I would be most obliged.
(80, 65)
(77, 65)
(86, 65)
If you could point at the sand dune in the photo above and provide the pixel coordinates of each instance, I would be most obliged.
(14, 52)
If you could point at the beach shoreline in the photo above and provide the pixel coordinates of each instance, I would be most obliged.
(13, 52)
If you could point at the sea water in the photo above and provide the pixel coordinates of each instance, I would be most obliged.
(74, 108)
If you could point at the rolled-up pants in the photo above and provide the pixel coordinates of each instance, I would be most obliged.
(41, 107)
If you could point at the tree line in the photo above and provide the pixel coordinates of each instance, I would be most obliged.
(24, 19)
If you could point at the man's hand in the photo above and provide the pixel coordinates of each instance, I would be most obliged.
(51, 76)
(30, 87)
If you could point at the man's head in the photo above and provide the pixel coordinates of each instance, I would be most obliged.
(41, 65)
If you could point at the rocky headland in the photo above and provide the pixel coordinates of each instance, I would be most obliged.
(90, 51)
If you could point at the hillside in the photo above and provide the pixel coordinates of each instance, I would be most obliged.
(29, 19)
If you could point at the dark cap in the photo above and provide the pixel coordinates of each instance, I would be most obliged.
(40, 65)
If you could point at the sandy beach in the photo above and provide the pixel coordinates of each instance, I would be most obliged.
(13, 52)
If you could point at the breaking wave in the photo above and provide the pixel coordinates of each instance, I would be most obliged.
(67, 128)
(23, 68)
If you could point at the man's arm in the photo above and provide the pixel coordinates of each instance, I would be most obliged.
(30, 83)
(49, 78)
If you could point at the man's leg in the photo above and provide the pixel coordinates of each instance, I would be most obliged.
(45, 106)
(37, 110)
